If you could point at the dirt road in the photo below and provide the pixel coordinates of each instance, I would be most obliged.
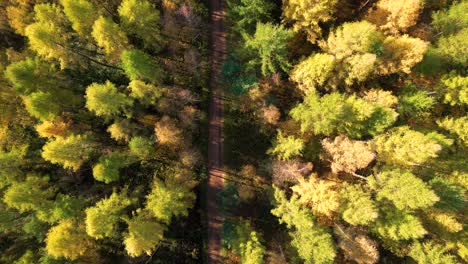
(215, 137)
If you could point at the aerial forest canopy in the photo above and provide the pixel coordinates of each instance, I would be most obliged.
(345, 131)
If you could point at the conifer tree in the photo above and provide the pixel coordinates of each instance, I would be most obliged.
(31, 194)
(314, 72)
(140, 66)
(142, 147)
(105, 100)
(109, 37)
(357, 206)
(395, 16)
(82, 14)
(42, 105)
(398, 225)
(430, 252)
(319, 195)
(70, 152)
(456, 126)
(455, 89)
(287, 147)
(245, 14)
(108, 168)
(146, 93)
(68, 239)
(143, 236)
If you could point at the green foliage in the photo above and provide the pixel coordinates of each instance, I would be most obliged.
(431, 253)
(456, 89)
(42, 105)
(142, 147)
(140, 66)
(269, 43)
(81, 14)
(109, 37)
(29, 75)
(243, 241)
(287, 147)
(169, 198)
(456, 126)
(144, 235)
(105, 100)
(394, 224)
(146, 93)
(452, 20)
(319, 195)
(68, 239)
(35, 228)
(64, 207)
(413, 102)
(245, 14)
(70, 152)
(30, 194)
(397, 185)
(452, 195)
(312, 73)
(404, 146)
(453, 48)
(108, 168)
(336, 113)
(313, 243)
(357, 206)
(27, 258)
(103, 218)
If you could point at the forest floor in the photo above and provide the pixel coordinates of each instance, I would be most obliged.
(215, 145)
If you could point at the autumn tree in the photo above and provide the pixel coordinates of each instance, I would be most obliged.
(146, 93)
(286, 147)
(431, 252)
(356, 245)
(140, 66)
(30, 75)
(269, 44)
(313, 73)
(144, 234)
(108, 168)
(347, 155)
(68, 239)
(30, 194)
(455, 89)
(102, 219)
(357, 206)
(457, 127)
(109, 37)
(167, 132)
(142, 147)
(82, 14)
(70, 152)
(307, 14)
(106, 101)
(395, 16)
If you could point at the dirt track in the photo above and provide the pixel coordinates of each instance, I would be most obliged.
(215, 137)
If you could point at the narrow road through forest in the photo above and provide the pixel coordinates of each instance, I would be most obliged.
(215, 136)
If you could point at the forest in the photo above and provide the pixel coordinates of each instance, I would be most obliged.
(344, 131)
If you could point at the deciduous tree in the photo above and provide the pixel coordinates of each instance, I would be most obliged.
(287, 147)
(109, 37)
(70, 152)
(140, 66)
(82, 15)
(68, 239)
(106, 101)
(144, 235)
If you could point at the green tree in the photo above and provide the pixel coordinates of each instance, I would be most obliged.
(456, 126)
(319, 195)
(397, 185)
(142, 147)
(30, 194)
(287, 147)
(103, 218)
(314, 72)
(146, 93)
(108, 168)
(404, 146)
(70, 152)
(397, 225)
(269, 44)
(414, 102)
(245, 14)
(42, 105)
(452, 20)
(431, 253)
(109, 37)
(105, 100)
(252, 251)
(452, 49)
(140, 66)
(68, 239)
(307, 14)
(144, 235)
(357, 206)
(452, 194)
(169, 198)
(313, 243)
(455, 89)
(30, 75)
(82, 15)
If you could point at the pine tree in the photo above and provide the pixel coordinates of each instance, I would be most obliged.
(245, 14)
(414, 102)
(42, 105)
(71, 152)
(357, 206)
(144, 235)
(102, 219)
(68, 239)
(142, 147)
(270, 46)
(287, 147)
(31, 194)
(108, 168)
(431, 253)
(109, 37)
(404, 146)
(82, 15)
(105, 100)
(314, 72)
(307, 14)
(252, 251)
(447, 22)
(397, 225)
(319, 195)
(140, 66)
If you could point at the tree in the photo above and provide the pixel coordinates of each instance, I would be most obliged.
(269, 43)
(287, 147)
(347, 155)
(144, 235)
(105, 100)
(397, 185)
(252, 251)
(356, 245)
(452, 194)
(42, 105)
(403, 146)
(108, 168)
(244, 241)
(109, 37)
(103, 218)
(307, 14)
(414, 102)
(167, 132)
(68, 239)
(452, 48)
(146, 93)
(54, 128)
(313, 243)
(319, 195)
(139, 65)
(30, 194)
(169, 198)
(71, 152)
(30, 75)
(395, 16)
(397, 225)
(456, 126)
(400, 54)
(121, 130)
(142, 147)
(245, 14)
(431, 253)
(141, 18)
(357, 206)
(447, 22)
(455, 88)
(82, 15)
(381, 97)
(20, 15)
(314, 72)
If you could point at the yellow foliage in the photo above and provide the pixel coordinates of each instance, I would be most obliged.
(394, 16)
(68, 239)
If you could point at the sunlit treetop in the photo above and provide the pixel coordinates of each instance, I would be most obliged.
(82, 14)
(109, 37)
